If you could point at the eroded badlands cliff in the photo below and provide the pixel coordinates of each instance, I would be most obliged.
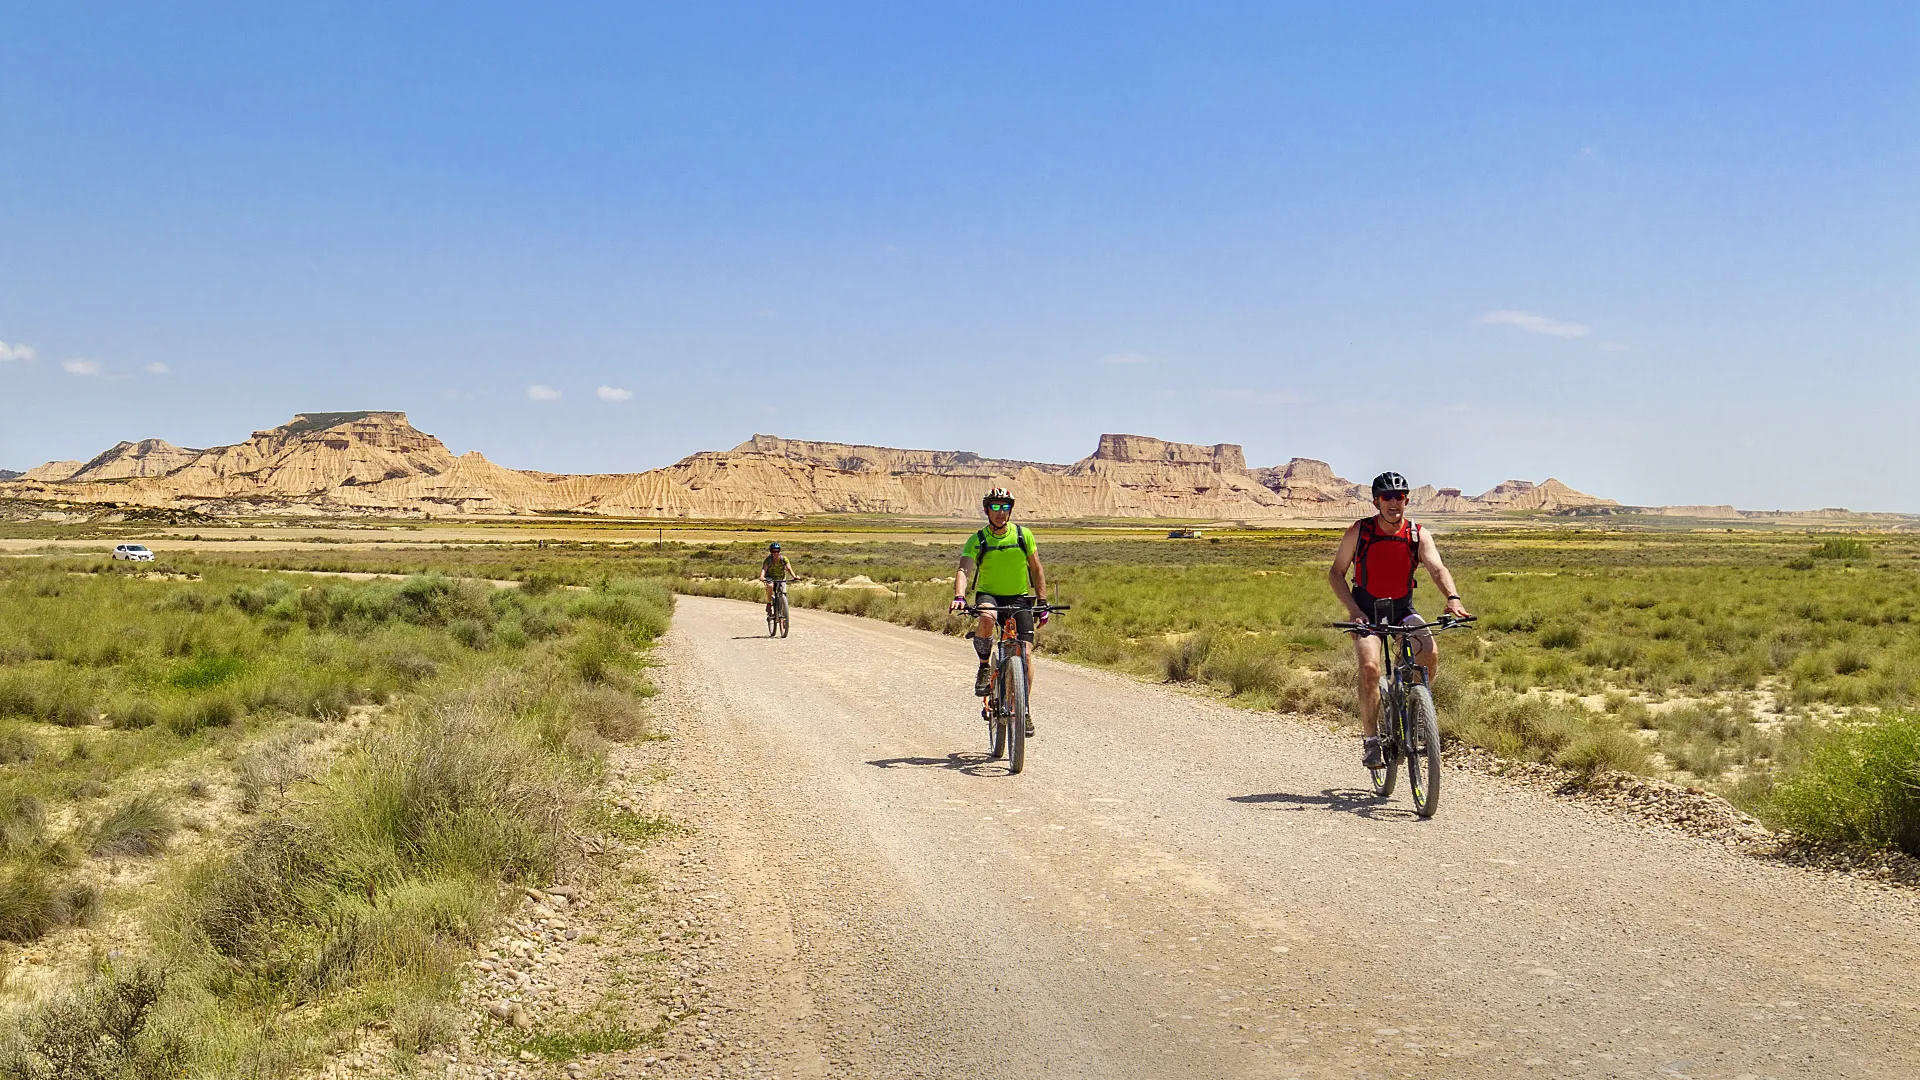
(377, 463)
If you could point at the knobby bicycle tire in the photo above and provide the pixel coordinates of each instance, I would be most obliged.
(1385, 778)
(993, 708)
(1015, 720)
(1423, 751)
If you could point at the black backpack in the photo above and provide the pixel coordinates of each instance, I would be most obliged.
(1021, 539)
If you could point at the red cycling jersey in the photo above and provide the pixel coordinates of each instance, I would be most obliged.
(1383, 563)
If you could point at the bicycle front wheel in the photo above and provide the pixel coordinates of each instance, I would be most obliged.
(1015, 675)
(781, 612)
(1386, 776)
(1423, 751)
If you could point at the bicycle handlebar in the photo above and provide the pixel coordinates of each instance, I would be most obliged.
(1042, 606)
(1444, 622)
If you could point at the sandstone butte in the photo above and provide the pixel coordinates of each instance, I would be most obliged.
(376, 463)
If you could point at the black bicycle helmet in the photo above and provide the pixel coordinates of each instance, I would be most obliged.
(997, 495)
(775, 546)
(1388, 483)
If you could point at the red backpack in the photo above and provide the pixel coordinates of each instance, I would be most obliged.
(1369, 533)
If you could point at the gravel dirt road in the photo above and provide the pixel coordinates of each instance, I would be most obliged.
(1178, 888)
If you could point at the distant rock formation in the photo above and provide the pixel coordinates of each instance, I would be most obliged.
(126, 460)
(52, 470)
(361, 463)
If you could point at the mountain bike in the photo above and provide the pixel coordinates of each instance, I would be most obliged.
(1409, 727)
(1005, 706)
(777, 610)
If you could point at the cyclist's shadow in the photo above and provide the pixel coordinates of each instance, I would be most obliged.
(1345, 800)
(971, 762)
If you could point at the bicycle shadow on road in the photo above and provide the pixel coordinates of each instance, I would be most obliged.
(971, 762)
(1345, 800)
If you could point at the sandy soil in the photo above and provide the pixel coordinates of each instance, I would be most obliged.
(1178, 888)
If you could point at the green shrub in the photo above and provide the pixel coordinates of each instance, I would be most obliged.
(34, 900)
(1560, 637)
(1842, 547)
(1181, 659)
(1246, 666)
(1858, 784)
(138, 826)
(207, 672)
(1600, 748)
(100, 1032)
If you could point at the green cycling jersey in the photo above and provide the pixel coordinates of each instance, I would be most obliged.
(1000, 560)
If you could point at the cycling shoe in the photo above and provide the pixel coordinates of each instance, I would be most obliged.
(1371, 757)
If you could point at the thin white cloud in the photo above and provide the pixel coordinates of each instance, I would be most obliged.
(16, 352)
(537, 392)
(612, 393)
(82, 367)
(1534, 324)
(158, 368)
(1126, 358)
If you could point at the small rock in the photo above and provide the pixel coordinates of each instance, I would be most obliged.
(572, 935)
(528, 1056)
(500, 1010)
(521, 1019)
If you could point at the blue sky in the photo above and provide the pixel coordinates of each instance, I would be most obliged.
(1667, 252)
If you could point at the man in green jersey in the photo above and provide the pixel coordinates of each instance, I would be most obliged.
(775, 567)
(1004, 561)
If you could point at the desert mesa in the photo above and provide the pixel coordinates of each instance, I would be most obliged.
(377, 464)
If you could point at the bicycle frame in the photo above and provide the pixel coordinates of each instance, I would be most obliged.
(1409, 727)
(1007, 646)
(1003, 708)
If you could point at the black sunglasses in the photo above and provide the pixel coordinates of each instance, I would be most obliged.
(1392, 496)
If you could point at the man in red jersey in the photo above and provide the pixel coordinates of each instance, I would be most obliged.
(1383, 552)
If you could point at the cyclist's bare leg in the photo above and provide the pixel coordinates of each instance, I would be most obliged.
(984, 628)
(1367, 656)
(769, 586)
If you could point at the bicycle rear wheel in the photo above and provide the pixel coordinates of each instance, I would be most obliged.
(773, 622)
(780, 613)
(1015, 719)
(1423, 751)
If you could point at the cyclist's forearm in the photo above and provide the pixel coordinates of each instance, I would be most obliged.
(1337, 581)
(1039, 580)
(960, 580)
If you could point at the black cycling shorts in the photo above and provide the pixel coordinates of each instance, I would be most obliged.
(1022, 607)
(1402, 606)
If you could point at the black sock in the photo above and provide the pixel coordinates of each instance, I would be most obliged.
(982, 648)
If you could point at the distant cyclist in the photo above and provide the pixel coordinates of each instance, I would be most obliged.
(1004, 561)
(775, 567)
(1383, 552)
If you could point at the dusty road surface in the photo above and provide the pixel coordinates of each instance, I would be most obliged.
(1175, 888)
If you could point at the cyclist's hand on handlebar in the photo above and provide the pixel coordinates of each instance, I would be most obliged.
(959, 605)
(1457, 609)
(1044, 614)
